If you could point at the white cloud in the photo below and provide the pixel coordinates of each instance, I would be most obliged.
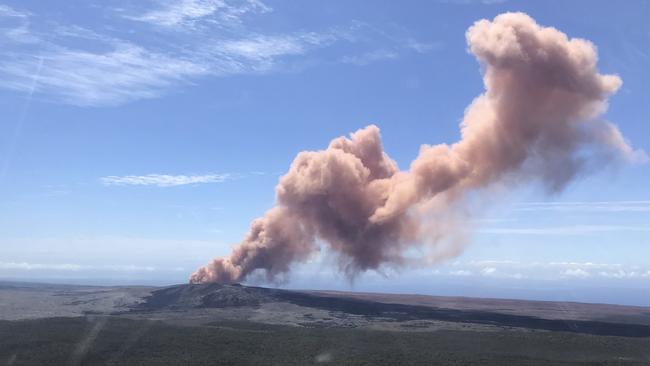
(6, 11)
(180, 12)
(488, 271)
(577, 272)
(33, 266)
(564, 230)
(141, 260)
(115, 70)
(14, 25)
(586, 206)
(369, 57)
(124, 73)
(101, 69)
(187, 13)
(97, 250)
(546, 265)
(106, 70)
(472, 2)
(559, 270)
(461, 272)
(25, 266)
(491, 262)
(586, 265)
(163, 180)
(259, 53)
(421, 47)
(496, 269)
(623, 274)
(189, 39)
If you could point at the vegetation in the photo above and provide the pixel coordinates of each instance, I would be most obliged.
(121, 341)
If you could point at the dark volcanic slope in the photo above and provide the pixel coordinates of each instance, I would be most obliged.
(205, 296)
(541, 309)
(219, 296)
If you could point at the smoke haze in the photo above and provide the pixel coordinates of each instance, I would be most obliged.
(537, 121)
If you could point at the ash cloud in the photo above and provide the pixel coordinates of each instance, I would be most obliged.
(537, 122)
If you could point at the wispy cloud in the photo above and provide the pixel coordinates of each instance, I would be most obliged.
(509, 269)
(100, 69)
(107, 65)
(473, 2)
(623, 274)
(6, 11)
(369, 57)
(488, 271)
(188, 13)
(14, 25)
(564, 230)
(586, 206)
(520, 264)
(163, 180)
(126, 72)
(394, 51)
(461, 273)
(576, 272)
(26, 266)
(257, 52)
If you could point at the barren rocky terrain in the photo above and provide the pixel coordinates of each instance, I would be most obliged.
(201, 304)
(95, 325)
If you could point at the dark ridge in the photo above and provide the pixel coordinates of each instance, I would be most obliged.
(400, 312)
(203, 296)
(218, 296)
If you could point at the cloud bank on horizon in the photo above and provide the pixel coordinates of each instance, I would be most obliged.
(537, 122)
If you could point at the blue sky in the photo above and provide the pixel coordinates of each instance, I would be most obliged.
(138, 139)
